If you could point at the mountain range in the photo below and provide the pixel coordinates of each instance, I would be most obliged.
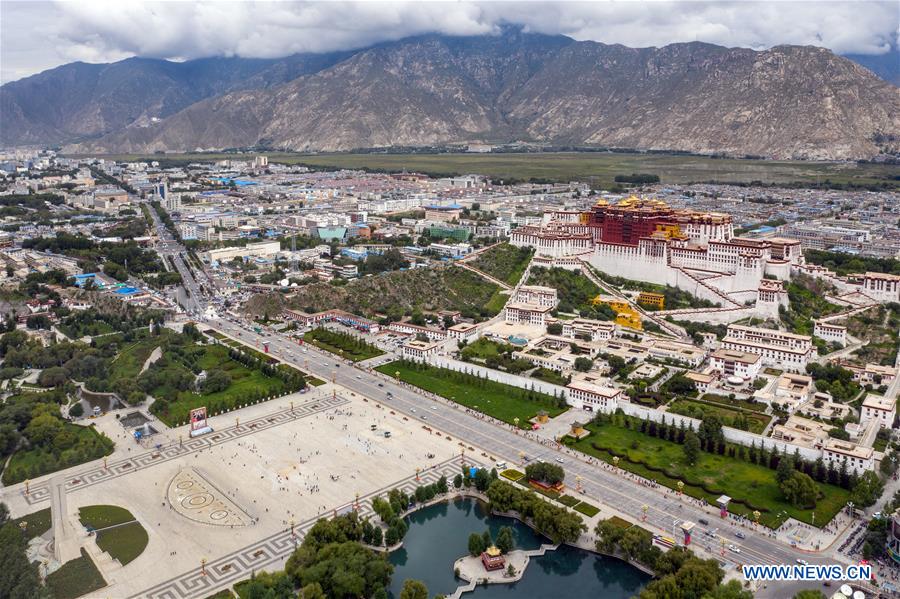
(784, 102)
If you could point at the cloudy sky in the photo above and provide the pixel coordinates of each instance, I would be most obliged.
(37, 35)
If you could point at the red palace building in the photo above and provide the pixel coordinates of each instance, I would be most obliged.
(633, 218)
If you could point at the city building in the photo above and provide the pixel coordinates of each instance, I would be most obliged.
(463, 331)
(777, 348)
(408, 328)
(882, 410)
(419, 350)
(263, 249)
(858, 458)
(527, 313)
(732, 363)
(443, 214)
(830, 332)
(592, 397)
(537, 295)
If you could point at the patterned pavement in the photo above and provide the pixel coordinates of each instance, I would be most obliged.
(269, 552)
(40, 493)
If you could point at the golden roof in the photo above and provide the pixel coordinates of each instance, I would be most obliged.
(492, 551)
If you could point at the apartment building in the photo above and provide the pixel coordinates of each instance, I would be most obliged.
(730, 363)
(882, 410)
(776, 348)
(527, 314)
(592, 397)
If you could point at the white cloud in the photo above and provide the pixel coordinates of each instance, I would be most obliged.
(39, 35)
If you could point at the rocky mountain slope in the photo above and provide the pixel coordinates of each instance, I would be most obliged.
(78, 100)
(788, 101)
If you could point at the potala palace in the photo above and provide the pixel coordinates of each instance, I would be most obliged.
(646, 240)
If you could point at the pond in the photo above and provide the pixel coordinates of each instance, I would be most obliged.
(438, 535)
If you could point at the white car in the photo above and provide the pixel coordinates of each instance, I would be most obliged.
(734, 549)
(802, 562)
(560, 460)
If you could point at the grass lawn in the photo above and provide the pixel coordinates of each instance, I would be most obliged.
(124, 542)
(342, 344)
(620, 522)
(587, 509)
(736, 478)
(503, 402)
(75, 578)
(735, 403)
(512, 475)
(245, 384)
(697, 409)
(569, 501)
(36, 524)
(129, 361)
(482, 349)
(497, 301)
(101, 516)
(600, 167)
(35, 462)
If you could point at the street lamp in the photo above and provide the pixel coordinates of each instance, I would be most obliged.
(203, 566)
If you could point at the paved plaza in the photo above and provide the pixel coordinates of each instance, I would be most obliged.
(231, 496)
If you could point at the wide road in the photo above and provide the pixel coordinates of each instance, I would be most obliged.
(599, 483)
(190, 294)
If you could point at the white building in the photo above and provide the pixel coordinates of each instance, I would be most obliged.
(882, 286)
(551, 242)
(859, 459)
(527, 314)
(263, 249)
(586, 328)
(463, 331)
(777, 348)
(882, 410)
(537, 295)
(414, 329)
(830, 332)
(591, 397)
(419, 350)
(730, 363)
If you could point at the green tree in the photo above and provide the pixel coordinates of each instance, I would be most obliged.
(476, 544)
(413, 589)
(868, 489)
(809, 594)
(608, 536)
(583, 364)
(691, 447)
(506, 540)
(800, 490)
(730, 590)
(312, 591)
(784, 470)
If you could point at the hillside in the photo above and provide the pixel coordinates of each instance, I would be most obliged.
(396, 294)
(784, 102)
(80, 101)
